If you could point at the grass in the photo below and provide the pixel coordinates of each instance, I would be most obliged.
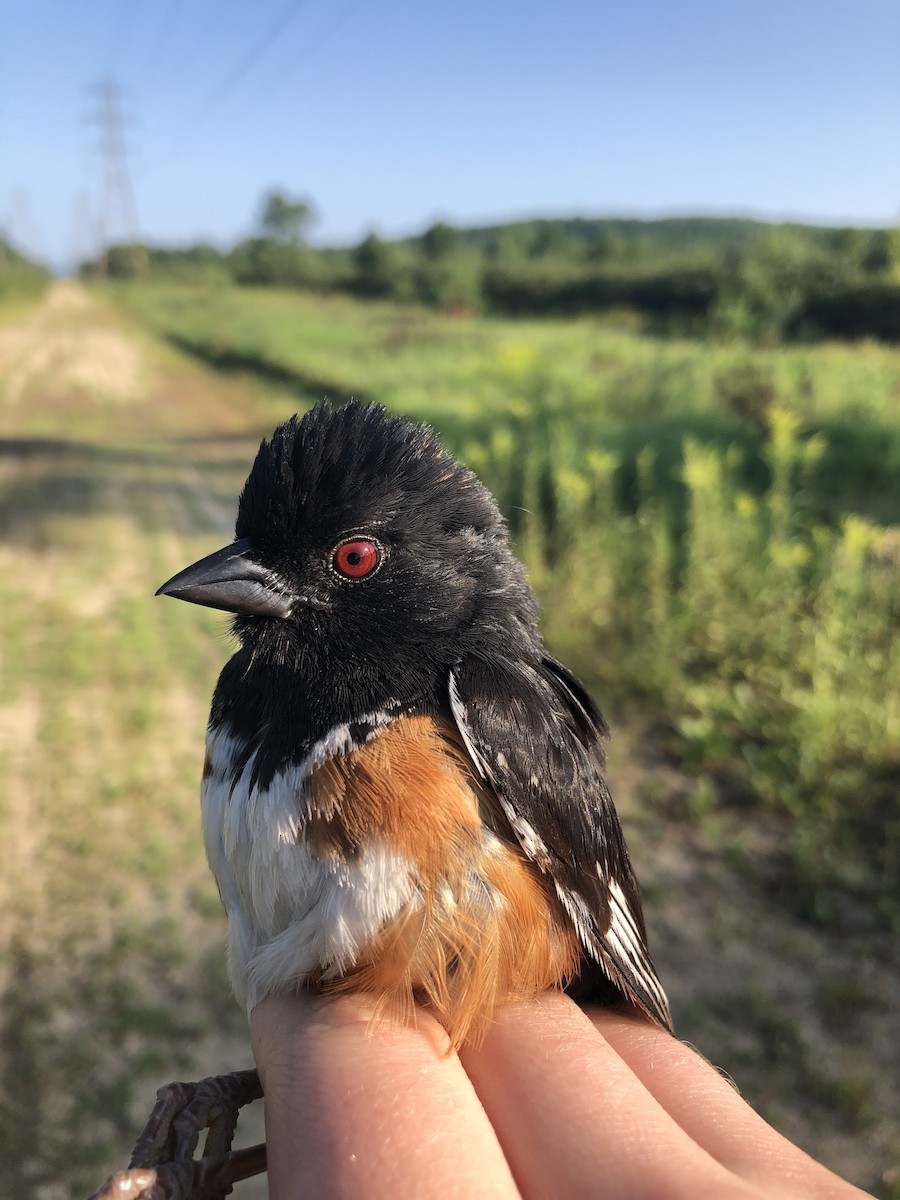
(96, 820)
(696, 563)
(715, 529)
(112, 977)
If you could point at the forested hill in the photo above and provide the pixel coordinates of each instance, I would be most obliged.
(665, 234)
(695, 276)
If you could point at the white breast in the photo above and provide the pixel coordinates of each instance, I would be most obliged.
(289, 913)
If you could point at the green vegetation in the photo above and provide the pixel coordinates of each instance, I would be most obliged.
(720, 276)
(713, 531)
(19, 276)
(712, 528)
(111, 968)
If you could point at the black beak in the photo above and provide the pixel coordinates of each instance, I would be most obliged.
(231, 580)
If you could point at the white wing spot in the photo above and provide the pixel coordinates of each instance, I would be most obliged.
(581, 918)
(462, 724)
(530, 841)
(624, 939)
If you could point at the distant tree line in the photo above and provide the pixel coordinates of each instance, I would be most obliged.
(725, 276)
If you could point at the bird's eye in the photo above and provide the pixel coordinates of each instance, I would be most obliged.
(357, 558)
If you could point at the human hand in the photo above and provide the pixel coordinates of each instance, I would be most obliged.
(556, 1102)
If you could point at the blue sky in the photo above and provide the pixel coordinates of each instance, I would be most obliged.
(391, 113)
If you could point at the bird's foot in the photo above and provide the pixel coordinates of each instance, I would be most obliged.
(163, 1166)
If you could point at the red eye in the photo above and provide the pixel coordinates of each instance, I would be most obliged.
(356, 558)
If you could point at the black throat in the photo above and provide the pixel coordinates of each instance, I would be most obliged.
(279, 700)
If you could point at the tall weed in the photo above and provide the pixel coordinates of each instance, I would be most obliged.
(767, 640)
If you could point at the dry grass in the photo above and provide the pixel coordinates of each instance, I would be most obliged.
(110, 939)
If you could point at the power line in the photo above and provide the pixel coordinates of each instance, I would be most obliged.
(254, 54)
(233, 78)
(193, 42)
(326, 31)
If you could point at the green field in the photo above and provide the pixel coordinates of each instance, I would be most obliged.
(713, 529)
(714, 532)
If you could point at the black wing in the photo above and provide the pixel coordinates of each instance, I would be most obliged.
(535, 736)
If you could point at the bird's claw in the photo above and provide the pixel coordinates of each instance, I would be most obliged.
(162, 1165)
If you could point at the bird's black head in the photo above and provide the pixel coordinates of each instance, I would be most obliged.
(359, 536)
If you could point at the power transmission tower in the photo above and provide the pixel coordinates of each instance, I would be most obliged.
(117, 205)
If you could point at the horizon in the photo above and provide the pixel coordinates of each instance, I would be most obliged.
(391, 117)
(225, 245)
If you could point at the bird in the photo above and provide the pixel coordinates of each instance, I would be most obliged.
(404, 793)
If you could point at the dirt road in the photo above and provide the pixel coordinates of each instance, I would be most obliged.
(63, 346)
(118, 463)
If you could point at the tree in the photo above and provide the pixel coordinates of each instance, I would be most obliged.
(605, 245)
(505, 245)
(126, 261)
(882, 255)
(439, 241)
(376, 267)
(283, 219)
(547, 238)
(264, 262)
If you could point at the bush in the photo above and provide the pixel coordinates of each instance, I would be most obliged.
(561, 289)
(19, 276)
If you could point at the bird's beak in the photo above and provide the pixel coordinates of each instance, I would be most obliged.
(231, 580)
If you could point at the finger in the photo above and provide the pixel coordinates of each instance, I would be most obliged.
(356, 1110)
(710, 1111)
(574, 1120)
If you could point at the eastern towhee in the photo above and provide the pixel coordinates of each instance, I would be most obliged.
(403, 792)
